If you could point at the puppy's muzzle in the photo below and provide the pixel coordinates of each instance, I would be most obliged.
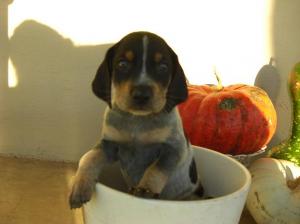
(141, 95)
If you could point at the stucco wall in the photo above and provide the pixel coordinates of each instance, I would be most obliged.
(51, 112)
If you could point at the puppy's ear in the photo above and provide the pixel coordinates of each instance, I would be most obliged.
(101, 84)
(177, 90)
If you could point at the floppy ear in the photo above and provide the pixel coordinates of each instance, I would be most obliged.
(177, 90)
(101, 84)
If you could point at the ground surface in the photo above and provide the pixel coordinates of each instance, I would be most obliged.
(34, 192)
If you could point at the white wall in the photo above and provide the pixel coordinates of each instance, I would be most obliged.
(47, 109)
(286, 48)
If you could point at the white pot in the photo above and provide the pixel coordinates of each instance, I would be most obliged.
(222, 177)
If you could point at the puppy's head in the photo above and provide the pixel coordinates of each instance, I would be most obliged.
(141, 75)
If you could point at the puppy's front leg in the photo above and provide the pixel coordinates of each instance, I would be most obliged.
(156, 176)
(152, 183)
(89, 169)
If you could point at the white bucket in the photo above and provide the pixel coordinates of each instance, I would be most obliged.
(222, 177)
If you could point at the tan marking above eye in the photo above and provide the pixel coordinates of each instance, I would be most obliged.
(129, 55)
(157, 57)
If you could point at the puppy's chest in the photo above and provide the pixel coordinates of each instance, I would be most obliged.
(124, 129)
(135, 159)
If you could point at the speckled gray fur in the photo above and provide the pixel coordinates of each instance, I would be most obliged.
(174, 156)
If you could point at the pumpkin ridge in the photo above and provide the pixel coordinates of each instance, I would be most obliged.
(256, 123)
(206, 120)
(254, 127)
(247, 140)
(259, 98)
(265, 132)
(214, 143)
(228, 124)
(236, 149)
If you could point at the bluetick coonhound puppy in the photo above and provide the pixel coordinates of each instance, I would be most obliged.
(142, 82)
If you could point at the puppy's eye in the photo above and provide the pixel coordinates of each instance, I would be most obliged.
(123, 65)
(162, 68)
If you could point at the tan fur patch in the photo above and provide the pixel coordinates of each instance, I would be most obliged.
(121, 95)
(145, 137)
(113, 134)
(160, 97)
(129, 55)
(156, 135)
(154, 179)
(157, 57)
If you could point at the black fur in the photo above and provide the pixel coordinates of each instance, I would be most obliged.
(101, 84)
(177, 90)
(193, 172)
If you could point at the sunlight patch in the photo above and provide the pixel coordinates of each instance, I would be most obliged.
(12, 75)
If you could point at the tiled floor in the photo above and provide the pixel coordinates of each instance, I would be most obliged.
(36, 192)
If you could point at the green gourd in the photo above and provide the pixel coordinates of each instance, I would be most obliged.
(290, 148)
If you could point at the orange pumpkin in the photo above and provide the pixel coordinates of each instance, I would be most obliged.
(238, 119)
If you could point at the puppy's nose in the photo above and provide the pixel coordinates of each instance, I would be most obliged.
(141, 94)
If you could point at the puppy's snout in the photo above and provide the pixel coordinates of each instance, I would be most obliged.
(141, 94)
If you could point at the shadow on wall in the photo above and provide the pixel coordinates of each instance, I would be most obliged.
(52, 112)
(268, 79)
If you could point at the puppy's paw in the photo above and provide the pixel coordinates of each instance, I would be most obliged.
(81, 192)
(143, 193)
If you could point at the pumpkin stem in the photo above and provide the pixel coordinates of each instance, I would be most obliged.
(219, 86)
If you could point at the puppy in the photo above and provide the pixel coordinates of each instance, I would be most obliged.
(142, 81)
